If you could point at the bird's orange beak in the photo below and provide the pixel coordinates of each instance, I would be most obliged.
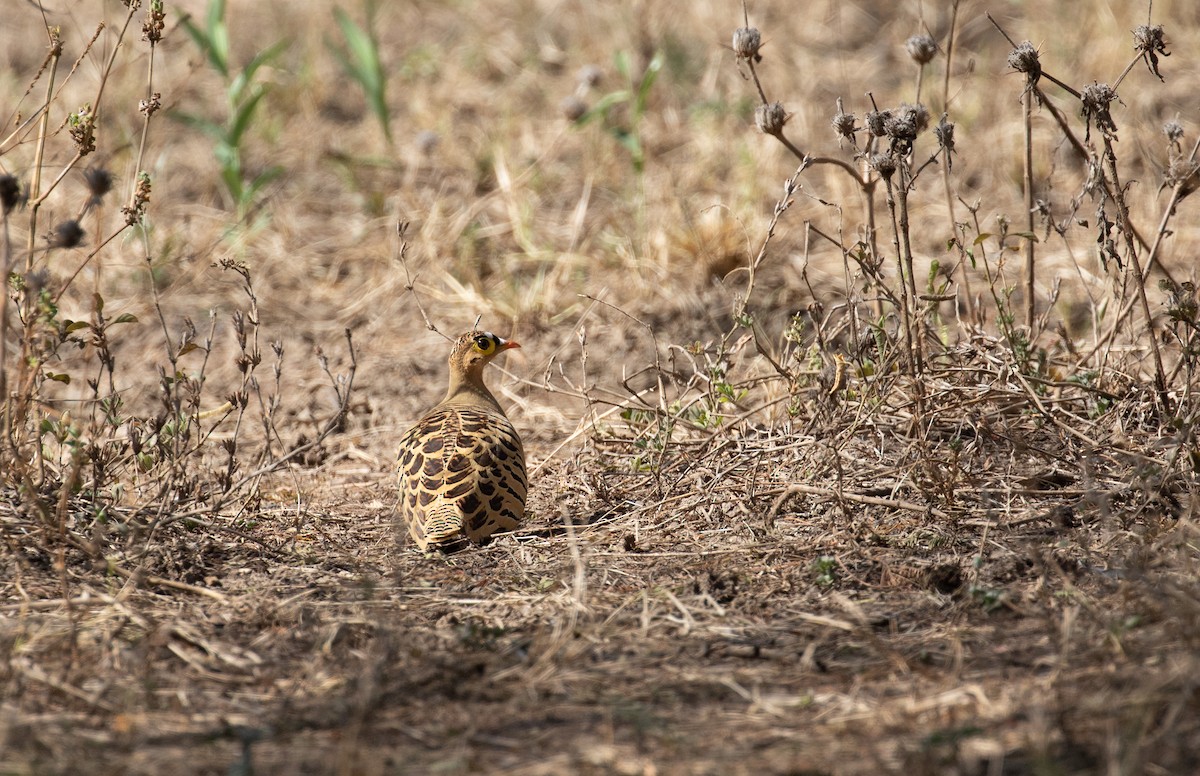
(508, 344)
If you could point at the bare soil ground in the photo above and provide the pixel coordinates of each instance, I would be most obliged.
(699, 618)
(740, 557)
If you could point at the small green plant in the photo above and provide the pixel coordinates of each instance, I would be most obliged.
(825, 569)
(1099, 401)
(622, 111)
(1017, 337)
(990, 599)
(361, 61)
(244, 95)
(476, 635)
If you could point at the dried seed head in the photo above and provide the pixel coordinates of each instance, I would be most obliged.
(151, 106)
(1149, 42)
(1150, 38)
(746, 43)
(877, 122)
(770, 118)
(156, 19)
(906, 122)
(1024, 59)
(1184, 173)
(426, 141)
(945, 133)
(10, 192)
(67, 234)
(55, 46)
(843, 125)
(136, 209)
(572, 107)
(82, 126)
(99, 182)
(883, 164)
(1181, 300)
(589, 75)
(1174, 132)
(919, 113)
(1097, 98)
(922, 48)
(35, 282)
(945, 137)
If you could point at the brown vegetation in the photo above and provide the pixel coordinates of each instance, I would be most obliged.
(856, 386)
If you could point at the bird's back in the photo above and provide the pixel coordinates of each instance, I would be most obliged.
(462, 472)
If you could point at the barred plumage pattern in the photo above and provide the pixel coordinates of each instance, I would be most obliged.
(461, 468)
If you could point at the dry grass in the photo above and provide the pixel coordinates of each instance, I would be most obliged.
(789, 513)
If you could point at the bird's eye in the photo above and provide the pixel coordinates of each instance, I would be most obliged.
(484, 344)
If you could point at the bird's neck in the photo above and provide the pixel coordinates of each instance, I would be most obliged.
(464, 390)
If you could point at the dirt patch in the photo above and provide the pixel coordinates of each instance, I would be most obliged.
(740, 606)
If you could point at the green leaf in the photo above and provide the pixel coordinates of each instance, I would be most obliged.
(364, 65)
(603, 106)
(648, 79)
(228, 157)
(244, 115)
(233, 183)
(218, 36)
(260, 182)
(621, 62)
(362, 48)
(58, 378)
(124, 318)
(213, 41)
(629, 142)
(261, 58)
(210, 128)
(73, 326)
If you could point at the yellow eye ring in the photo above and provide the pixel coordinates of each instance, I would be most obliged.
(485, 344)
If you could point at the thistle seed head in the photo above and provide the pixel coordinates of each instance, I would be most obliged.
(921, 48)
(426, 141)
(572, 107)
(1097, 99)
(99, 182)
(746, 43)
(1149, 42)
(1174, 132)
(843, 125)
(770, 118)
(906, 122)
(883, 164)
(589, 76)
(10, 192)
(945, 133)
(877, 122)
(66, 234)
(1024, 59)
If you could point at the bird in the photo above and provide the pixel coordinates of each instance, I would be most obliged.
(461, 467)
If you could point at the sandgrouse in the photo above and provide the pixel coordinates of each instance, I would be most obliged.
(461, 467)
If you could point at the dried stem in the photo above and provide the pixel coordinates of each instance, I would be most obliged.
(1027, 181)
